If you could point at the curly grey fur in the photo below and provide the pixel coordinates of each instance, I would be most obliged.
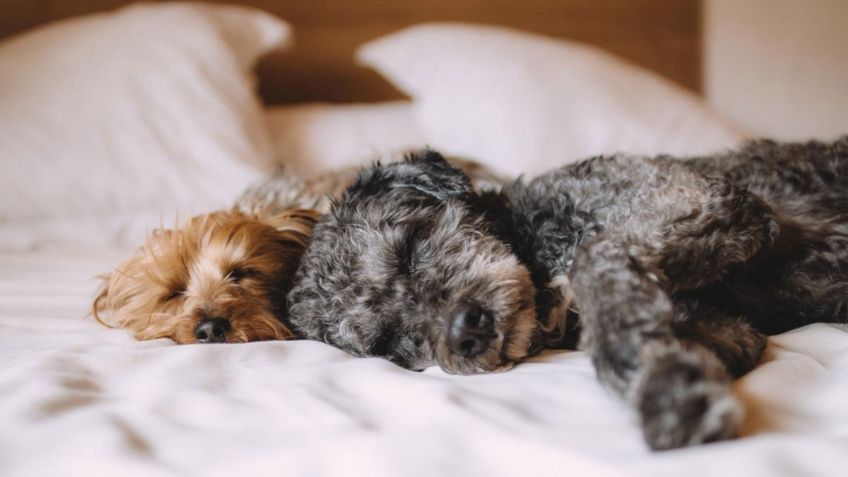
(669, 271)
(397, 255)
(281, 190)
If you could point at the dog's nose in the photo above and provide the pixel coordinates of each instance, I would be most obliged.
(470, 330)
(212, 330)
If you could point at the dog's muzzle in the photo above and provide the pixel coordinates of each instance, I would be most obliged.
(470, 331)
(212, 330)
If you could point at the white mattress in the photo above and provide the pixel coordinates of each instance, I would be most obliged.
(80, 399)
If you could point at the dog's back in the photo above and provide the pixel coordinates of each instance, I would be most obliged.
(803, 276)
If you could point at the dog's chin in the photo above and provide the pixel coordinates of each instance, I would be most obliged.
(236, 336)
(465, 366)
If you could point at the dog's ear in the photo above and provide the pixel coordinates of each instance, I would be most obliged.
(435, 176)
(424, 171)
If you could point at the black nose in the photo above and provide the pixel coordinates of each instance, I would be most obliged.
(470, 330)
(212, 330)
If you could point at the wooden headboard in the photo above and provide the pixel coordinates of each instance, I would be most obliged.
(662, 35)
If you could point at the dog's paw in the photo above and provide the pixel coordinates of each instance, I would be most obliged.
(686, 400)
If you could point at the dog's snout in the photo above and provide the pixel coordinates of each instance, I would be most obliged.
(212, 330)
(470, 331)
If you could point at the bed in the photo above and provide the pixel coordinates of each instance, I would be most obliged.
(114, 123)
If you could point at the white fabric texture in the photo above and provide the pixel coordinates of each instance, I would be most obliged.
(310, 138)
(147, 109)
(77, 399)
(526, 103)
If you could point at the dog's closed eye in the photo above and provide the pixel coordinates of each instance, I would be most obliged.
(173, 295)
(240, 273)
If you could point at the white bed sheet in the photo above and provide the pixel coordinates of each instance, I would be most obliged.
(80, 399)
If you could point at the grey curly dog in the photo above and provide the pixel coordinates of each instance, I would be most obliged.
(671, 272)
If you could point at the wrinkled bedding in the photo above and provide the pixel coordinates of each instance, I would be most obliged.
(80, 399)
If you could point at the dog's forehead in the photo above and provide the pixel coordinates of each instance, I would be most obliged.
(426, 172)
(390, 206)
(399, 218)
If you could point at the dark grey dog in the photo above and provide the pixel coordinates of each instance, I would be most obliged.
(676, 268)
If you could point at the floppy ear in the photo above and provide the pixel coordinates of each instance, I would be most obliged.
(425, 171)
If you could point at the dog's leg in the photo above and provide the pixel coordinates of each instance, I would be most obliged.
(680, 390)
(733, 340)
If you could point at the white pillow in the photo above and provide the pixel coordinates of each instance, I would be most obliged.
(524, 103)
(311, 138)
(149, 109)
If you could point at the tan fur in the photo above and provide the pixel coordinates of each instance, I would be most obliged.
(183, 275)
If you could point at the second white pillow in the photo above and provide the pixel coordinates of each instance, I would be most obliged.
(523, 103)
(315, 137)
